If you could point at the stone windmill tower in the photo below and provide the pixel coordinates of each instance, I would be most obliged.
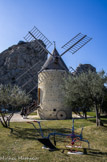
(51, 98)
(51, 77)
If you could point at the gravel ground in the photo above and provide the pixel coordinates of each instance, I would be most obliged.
(18, 118)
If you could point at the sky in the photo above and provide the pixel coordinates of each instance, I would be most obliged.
(59, 21)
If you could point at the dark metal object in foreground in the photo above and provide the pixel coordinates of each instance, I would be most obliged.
(46, 140)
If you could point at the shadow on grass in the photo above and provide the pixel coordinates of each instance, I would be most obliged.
(94, 120)
(32, 134)
(98, 153)
(89, 152)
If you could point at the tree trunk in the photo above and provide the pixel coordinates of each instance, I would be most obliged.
(85, 114)
(98, 121)
(3, 121)
(9, 118)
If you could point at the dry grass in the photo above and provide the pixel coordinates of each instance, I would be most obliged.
(22, 145)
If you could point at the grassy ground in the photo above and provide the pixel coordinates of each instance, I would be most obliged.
(22, 144)
(33, 113)
(91, 114)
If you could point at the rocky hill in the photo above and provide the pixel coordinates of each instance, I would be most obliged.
(16, 65)
(84, 68)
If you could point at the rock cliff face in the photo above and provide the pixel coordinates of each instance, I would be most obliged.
(16, 65)
(84, 68)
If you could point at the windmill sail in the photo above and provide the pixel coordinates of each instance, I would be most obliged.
(43, 44)
(41, 40)
(76, 43)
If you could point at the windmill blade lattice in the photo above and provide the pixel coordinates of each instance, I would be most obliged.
(43, 44)
(28, 79)
(44, 76)
(28, 70)
(76, 43)
(35, 34)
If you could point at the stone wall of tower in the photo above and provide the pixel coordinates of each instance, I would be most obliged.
(52, 100)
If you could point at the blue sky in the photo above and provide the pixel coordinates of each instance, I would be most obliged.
(58, 20)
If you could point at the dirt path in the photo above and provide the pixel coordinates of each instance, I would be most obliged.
(18, 118)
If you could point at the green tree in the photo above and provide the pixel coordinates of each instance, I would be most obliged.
(14, 97)
(85, 90)
(104, 103)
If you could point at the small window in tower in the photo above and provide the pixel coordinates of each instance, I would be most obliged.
(54, 109)
(13, 78)
(56, 60)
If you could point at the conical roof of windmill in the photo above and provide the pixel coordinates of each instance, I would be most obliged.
(54, 62)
